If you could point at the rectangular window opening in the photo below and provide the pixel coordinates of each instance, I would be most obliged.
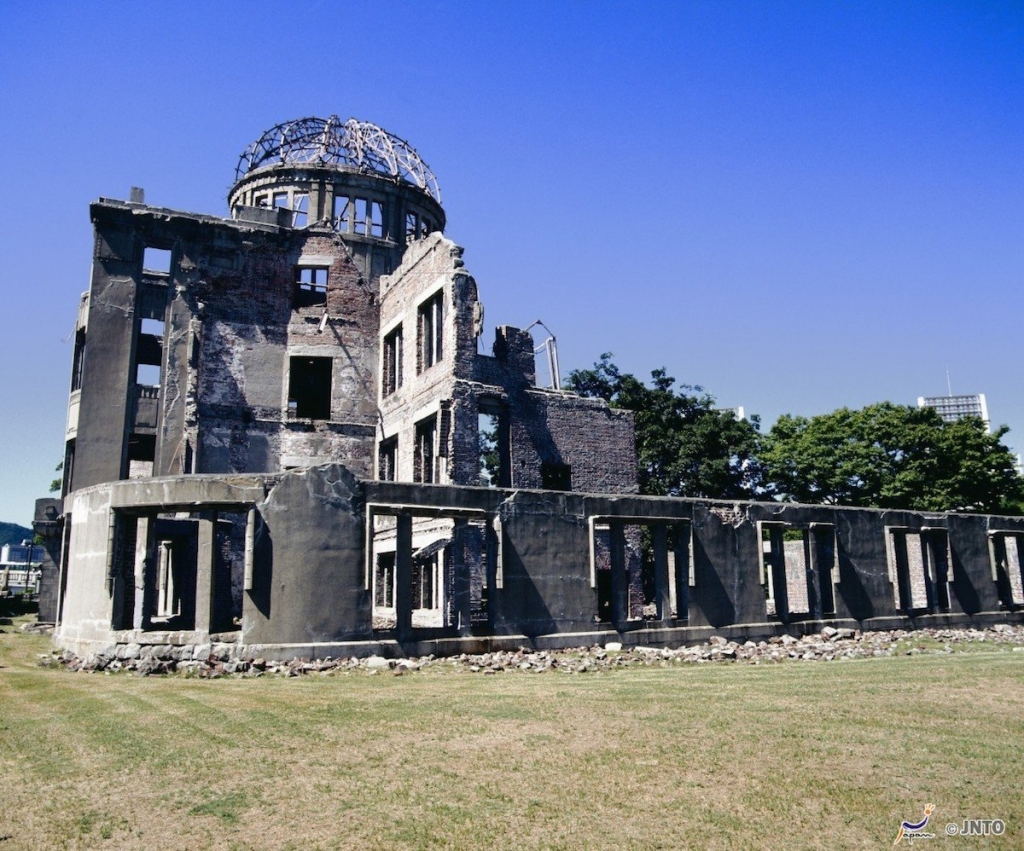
(489, 425)
(141, 455)
(555, 476)
(911, 585)
(785, 572)
(387, 460)
(412, 224)
(147, 375)
(310, 285)
(426, 584)
(78, 361)
(392, 366)
(301, 208)
(376, 219)
(342, 214)
(157, 260)
(361, 216)
(384, 583)
(431, 331)
(424, 452)
(309, 388)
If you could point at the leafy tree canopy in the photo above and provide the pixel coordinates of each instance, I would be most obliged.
(891, 456)
(684, 446)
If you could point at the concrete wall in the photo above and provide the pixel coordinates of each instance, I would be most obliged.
(309, 595)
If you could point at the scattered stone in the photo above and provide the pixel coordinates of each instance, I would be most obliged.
(831, 644)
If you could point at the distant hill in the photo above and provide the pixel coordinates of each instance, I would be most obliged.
(12, 533)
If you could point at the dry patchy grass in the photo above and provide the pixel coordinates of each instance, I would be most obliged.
(801, 755)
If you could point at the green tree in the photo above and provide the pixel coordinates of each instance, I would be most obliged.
(57, 484)
(684, 446)
(891, 456)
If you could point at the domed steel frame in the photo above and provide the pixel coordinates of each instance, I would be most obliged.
(357, 145)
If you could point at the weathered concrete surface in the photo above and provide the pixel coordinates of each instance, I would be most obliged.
(546, 585)
(308, 566)
(308, 595)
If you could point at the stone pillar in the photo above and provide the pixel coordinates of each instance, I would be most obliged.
(662, 591)
(461, 596)
(206, 556)
(403, 576)
(683, 568)
(620, 575)
(492, 552)
(144, 586)
(778, 558)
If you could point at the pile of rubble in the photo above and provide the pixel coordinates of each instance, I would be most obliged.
(831, 644)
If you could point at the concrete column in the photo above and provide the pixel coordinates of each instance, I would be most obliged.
(662, 591)
(491, 554)
(683, 568)
(144, 585)
(403, 575)
(620, 575)
(778, 556)
(206, 557)
(461, 596)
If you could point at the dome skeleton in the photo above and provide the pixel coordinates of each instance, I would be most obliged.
(353, 144)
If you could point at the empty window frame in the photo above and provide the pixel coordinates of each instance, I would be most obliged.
(1005, 551)
(141, 456)
(310, 285)
(361, 215)
(376, 219)
(300, 208)
(430, 331)
(391, 372)
(426, 582)
(918, 568)
(342, 213)
(412, 226)
(424, 451)
(149, 353)
(78, 361)
(157, 260)
(786, 571)
(309, 388)
(387, 460)
(555, 476)
(384, 581)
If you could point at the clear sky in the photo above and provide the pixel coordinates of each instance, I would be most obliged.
(798, 206)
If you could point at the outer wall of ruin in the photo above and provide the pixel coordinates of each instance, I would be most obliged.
(307, 593)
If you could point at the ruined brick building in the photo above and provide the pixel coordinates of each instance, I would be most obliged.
(283, 432)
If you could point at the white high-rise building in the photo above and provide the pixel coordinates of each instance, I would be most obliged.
(952, 408)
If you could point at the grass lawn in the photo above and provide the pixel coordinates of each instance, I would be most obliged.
(794, 755)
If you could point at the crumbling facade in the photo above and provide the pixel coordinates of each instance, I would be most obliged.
(328, 320)
(283, 437)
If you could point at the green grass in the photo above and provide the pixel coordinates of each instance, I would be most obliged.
(796, 755)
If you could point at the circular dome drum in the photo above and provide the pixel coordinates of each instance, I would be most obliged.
(353, 145)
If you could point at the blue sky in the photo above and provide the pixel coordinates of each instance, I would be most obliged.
(798, 206)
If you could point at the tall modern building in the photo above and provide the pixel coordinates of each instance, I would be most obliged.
(952, 408)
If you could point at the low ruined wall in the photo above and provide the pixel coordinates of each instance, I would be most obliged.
(741, 570)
